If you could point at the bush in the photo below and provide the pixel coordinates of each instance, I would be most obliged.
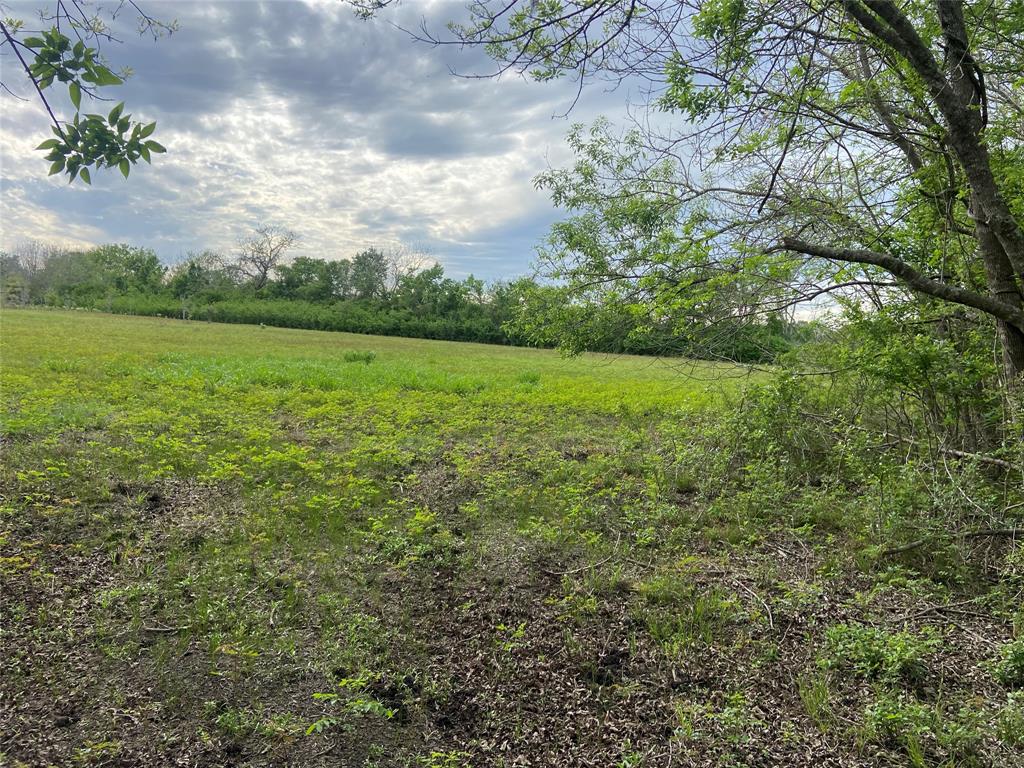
(1010, 667)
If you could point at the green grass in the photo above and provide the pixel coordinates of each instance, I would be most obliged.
(234, 544)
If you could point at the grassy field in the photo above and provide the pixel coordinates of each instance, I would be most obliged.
(234, 545)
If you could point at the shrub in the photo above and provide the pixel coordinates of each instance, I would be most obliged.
(1010, 721)
(1010, 667)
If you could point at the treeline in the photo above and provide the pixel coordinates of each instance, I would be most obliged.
(376, 292)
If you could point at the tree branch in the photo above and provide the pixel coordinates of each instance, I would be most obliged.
(14, 47)
(912, 278)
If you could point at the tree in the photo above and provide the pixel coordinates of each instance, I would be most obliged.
(65, 49)
(206, 272)
(369, 274)
(313, 279)
(858, 148)
(264, 251)
(126, 269)
(402, 261)
(14, 287)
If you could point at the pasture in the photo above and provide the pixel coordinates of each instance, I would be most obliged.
(237, 545)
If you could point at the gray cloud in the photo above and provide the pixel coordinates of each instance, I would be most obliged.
(299, 113)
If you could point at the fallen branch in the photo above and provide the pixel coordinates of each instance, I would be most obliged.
(182, 628)
(977, 534)
(585, 567)
(977, 457)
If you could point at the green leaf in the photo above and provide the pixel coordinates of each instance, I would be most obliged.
(49, 144)
(125, 167)
(155, 147)
(144, 152)
(75, 91)
(115, 114)
(57, 167)
(84, 173)
(103, 76)
(33, 42)
(147, 130)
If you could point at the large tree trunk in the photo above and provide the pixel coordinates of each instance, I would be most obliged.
(1000, 237)
(1003, 285)
(961, 98)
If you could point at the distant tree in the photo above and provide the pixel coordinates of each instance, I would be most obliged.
(313, 279)
(428, 290)
(369, 274)
(403, 261)
(67, 278)
(475, 289)
(205, 272)
(14, 288)
(264, 251)
(339, 274)
(127, 269)
(32, 255)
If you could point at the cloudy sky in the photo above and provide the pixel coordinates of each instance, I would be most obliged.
(300, 114)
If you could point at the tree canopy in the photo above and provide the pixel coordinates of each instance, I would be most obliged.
(867, 149)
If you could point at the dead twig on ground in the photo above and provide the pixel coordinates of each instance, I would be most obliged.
(977, 534)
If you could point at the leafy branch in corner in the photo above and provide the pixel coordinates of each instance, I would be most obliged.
(88, 141)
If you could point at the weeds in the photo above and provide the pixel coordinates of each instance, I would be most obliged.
(460, 547)
(1009, 669)
(363, 356)
(875, 654)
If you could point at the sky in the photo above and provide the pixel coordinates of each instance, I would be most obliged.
(299, 114)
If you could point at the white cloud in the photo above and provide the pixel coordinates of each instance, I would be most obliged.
(301, 115)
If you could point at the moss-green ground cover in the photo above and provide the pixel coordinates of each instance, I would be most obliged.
(234, 545)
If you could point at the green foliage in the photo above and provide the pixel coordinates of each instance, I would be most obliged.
(875, 654)
(1010, 723)
(632, 269)
(88, 140)
(681, 613)
(1009, 669)
(356, 356)
(731, 720)
(444, 760)
(816, 697)
(927, 734)
(354, 296)
(907, 723)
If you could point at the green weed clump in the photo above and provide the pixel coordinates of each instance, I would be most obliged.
(359, 356)
(680, 612)
(927, 734)
(1009, 669)
(1010, 720)
(874, 654)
